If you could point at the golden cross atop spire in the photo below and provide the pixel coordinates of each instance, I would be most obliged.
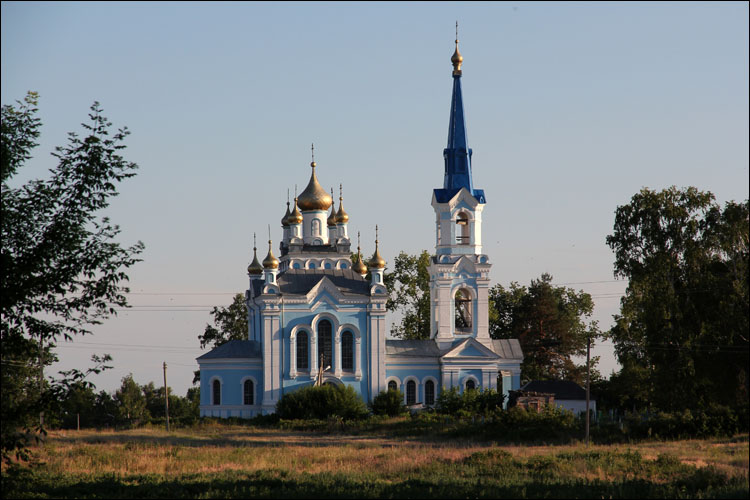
(341, 192)
(312, 153)
(357, 242)
(457, 58)
(254, 242)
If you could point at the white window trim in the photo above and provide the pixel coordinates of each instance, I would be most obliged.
(408, 379)
(255, 391)
(465, 379)
(395, 379)
(293, 348)
(221, 385)
(357, 347)
(430, 378)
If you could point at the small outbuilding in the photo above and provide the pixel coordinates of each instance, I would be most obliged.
(567, 394)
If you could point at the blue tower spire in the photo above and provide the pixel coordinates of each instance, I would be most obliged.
(457, 154)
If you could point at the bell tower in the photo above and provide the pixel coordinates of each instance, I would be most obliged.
(459, 272)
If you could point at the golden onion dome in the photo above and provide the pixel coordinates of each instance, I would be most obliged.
(376, 262)
(295, 217)
(285, 219)
(270, 262)
(341, 216)
(314, 197)
(255, 268)
(332, 217)
(359, 267)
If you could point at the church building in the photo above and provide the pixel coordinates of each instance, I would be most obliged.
(313, 313)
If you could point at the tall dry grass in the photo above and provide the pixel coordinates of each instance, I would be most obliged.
(148, 461)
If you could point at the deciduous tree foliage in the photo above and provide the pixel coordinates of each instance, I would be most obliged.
(684, 317)
(550, 323)
(230, 323)
(62, 269)
(409, 293)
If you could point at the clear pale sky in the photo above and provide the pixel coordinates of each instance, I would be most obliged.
(571, 108)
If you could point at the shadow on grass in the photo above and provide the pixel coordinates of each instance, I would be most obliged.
(25, 483)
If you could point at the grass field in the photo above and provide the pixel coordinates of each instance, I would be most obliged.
(220, 461)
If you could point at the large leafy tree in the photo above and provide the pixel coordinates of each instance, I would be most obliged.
(62, 270)
(409, 293)
(230, 323)
(550, 323)
(683, 320)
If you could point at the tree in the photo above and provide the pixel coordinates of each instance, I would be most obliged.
(409, 292)
(684, 317)
(62, 269)
(131, 403)
(230, 324)
(550, 323)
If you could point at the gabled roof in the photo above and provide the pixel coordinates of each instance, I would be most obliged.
(469, 348)
(417, 348)
(234, 349)
(562, 389)
(508, 348)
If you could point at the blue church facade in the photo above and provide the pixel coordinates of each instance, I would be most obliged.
(314, 313)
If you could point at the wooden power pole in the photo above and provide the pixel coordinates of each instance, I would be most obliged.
(166, 395)
(588, 384)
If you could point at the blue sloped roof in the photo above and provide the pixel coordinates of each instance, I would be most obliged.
(421, 348)
(234, 349)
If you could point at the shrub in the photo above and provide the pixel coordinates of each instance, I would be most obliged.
(389, 403)
(321, 402)
(470, 403)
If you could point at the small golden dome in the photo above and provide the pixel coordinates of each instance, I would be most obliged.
(270, 262)
(377, 262)
(457, 58)
(314, 197)
(332, 217)
(295, 217)
(341, 216)
(285, 219)
(359, 267)
(255, 268)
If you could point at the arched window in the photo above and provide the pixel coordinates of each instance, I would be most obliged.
(463, 236)
(411, 392)
(347, 351)
(325, 344)
(463, 311)
(470, 385)
(248, 393)
(392, 385)
(315, 227)
(302, 351)
(217, 392)
(429, 393)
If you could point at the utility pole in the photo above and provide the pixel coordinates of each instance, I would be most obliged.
(588, 384)
(166, 395)
(41, 381)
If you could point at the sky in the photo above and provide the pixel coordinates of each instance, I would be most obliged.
(571, 109)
